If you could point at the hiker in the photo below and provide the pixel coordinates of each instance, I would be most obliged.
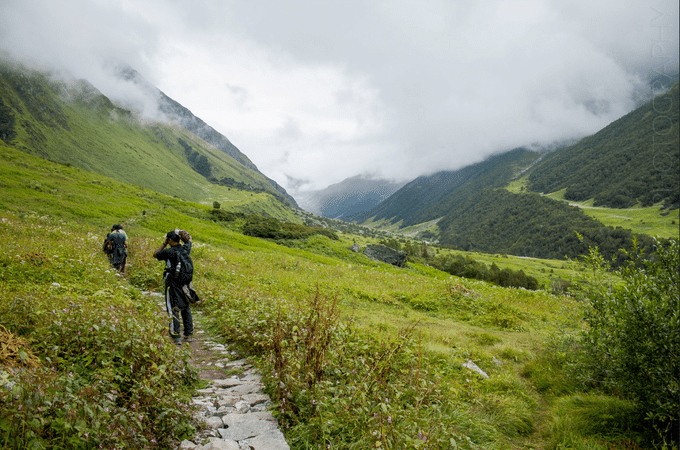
(177, 281)
(115, 246)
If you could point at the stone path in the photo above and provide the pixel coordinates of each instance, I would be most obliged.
(233, 406)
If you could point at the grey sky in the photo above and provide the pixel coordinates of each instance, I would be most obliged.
(318, 91)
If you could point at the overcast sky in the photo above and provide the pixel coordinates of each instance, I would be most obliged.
(316, 91)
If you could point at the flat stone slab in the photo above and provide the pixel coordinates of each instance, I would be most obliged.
(271, 440)
(244, 426)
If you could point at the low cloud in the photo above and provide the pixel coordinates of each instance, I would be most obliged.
(316, 92)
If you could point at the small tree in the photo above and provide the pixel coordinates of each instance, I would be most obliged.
(216, 205)
(631, 345)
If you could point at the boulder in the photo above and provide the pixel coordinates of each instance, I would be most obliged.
(386, 254)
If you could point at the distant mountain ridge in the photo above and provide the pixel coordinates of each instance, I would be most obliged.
(348, 198)
(430, 197)
(634, 159)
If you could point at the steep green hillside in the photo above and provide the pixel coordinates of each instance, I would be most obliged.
(652, 220)
(430, 197)
(181, 115)
(72, 123)
(498, 221)
(633, 160)
(474, 213)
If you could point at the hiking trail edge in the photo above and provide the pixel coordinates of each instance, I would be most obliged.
(233, 406)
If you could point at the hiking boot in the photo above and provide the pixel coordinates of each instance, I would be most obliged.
(189, 338)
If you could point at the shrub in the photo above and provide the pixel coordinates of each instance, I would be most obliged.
(334, 387)
(630, 347)
(469, 268)
(270, 228)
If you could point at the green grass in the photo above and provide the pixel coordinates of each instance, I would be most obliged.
(391, 352)
(652, 221)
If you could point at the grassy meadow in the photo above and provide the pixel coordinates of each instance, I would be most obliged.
(652, 220)
(355, 354)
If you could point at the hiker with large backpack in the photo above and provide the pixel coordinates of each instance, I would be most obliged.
(179, 270)
(115, 246)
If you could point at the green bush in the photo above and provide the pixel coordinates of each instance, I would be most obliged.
(630, 347)
(270, 228)
(464, 266)
(108, 374)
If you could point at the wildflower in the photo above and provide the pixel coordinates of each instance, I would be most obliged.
(389, 419)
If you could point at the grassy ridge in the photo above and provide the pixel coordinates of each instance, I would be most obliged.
(392, 348)
(73, 123)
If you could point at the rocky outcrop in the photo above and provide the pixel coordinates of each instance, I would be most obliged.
(386, 254)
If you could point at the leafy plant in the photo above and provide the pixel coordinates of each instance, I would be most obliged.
(630, 347)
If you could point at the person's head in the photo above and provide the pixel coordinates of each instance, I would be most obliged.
(172, 237)
(116, 227)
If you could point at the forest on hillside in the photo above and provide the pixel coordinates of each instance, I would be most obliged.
(633, 160)
(498, 221)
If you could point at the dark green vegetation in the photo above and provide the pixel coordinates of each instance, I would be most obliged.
(463, 266)
(431, 197)
(529, 225)
(470, 268)
(633, 160)
(270, 228)
(355, 354)
(70, 122)
(631, 346)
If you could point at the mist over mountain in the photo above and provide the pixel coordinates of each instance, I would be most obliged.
(632, 161)
(175, 112)
(432, 196)
(348, 198)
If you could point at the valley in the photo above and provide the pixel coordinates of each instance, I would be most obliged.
(354, 353)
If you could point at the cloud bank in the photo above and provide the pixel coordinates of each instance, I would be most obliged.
(316, 92)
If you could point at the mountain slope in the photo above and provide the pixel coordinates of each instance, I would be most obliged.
(498, 221)
(73, 123)
(634, 159)
(181, 115)
(348, 198)
(431, 197)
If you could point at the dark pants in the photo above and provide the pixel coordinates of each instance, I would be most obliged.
(176, 307)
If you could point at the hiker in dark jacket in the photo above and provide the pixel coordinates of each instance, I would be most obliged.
(116, 246)
(175, 300)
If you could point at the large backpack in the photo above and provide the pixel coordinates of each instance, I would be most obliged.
(184, 270)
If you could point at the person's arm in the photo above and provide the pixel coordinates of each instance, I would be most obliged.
(160, 249)
(185, 237)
